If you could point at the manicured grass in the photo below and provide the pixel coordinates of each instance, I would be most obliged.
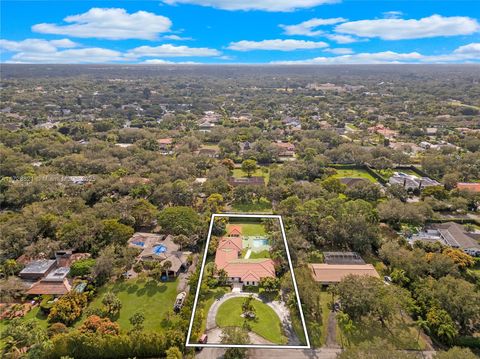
(267, 323)
(250, 229)
(260, 172)
(341, 173)
(262, 206)
(261, 254)
(153, 298)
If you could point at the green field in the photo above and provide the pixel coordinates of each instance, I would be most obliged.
(251, 229)
(263, 206)
(267, 323)
(358, 173)
(260, 172)
(154, 299)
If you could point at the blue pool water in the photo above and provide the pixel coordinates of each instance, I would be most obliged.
(259, 243)
(138, 243)
(159, 249)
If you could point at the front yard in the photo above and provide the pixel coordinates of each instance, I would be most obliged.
(267, 323)
(153, 298)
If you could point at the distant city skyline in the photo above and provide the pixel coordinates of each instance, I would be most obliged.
(240, 32)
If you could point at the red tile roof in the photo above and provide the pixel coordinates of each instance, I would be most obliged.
(226, 257)
(334, 273)
(234, 230)
(472, 187)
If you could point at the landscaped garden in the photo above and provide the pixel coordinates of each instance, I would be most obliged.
(259, 172)
(266, 323)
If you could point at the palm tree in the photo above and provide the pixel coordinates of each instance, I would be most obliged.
(166, 267)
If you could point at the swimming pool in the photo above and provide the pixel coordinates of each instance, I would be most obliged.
(259, 243)
(159, 249)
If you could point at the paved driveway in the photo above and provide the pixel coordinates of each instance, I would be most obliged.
(279, 308)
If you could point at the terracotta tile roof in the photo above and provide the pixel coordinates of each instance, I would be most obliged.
(165, 141)
(226, 257)
(247, 268)
(334, 273)
(472, 187)
(234, 229)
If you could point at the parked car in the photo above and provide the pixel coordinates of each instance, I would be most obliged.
(179, 301)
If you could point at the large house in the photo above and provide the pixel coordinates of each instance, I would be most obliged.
(239, 270)
(411, 182)
(327, 274)
(160, 248)
(48, 276)
(453, 235)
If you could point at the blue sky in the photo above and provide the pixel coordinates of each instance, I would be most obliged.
(240, 31)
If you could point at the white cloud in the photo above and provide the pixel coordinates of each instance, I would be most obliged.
(398, 29)
(72, 56)
(470, 49)
(466, 53)
(277, 44)
(342, 39)
(392, 14)
(306, 28)
(176, 37)
(112, 24)
(36, 45)
(265, 5)
(340, 51)
(168, 50)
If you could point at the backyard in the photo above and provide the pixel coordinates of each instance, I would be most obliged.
(260, 172)
(267, 323)
(261, 206)
(356, 173)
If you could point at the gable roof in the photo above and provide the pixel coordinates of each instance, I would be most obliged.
(454, 235)
(234, 229)
(472, 187)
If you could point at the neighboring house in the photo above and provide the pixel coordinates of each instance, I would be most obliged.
(252, 181)
(342, 258)
(382, 130)
(470, 187)
(327, 274)
(50, 276)
(165, 145)
(451, 234)
(353, 181)
(285, 149)
(411, 182)
(37, 269)
(55, 283)
(160, 248)
(243, 271)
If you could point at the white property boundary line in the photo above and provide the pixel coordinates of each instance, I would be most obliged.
(214, 345)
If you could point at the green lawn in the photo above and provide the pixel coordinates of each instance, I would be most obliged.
(154, 299)
(262, 206)
(260, 172)
(341, 173)
(261, 254)
(267, 323)
(250, 229)
(208, 300)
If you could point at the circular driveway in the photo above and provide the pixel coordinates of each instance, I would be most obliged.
(279, 308)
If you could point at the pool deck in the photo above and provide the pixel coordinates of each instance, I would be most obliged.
(248, 244)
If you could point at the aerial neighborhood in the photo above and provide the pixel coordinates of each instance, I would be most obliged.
(111, 176)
